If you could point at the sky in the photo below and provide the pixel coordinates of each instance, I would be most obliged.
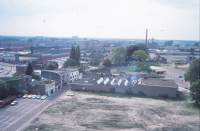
(164, 19)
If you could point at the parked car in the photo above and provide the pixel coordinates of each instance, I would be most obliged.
(29, 96)
(43, 97)
(70, 94)
(38, 97)
(33, 96)
(25, 96)
(180, 77)
(19, 96)
(14, 103)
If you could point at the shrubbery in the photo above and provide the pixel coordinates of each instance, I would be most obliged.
(154, 75)
(129, 92)
(112, 90)
(163, 95)
(140, 93)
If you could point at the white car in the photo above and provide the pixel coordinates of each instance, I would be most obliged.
(70, 94)
(29, 96)
(38, 97)
(25, 96)
(33, 96)
(14, 103)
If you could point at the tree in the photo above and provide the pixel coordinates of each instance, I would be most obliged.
(70, 62)
(72, 52)
(168, 43)
(142, 47)
(192, 51)
(99, 52)
(17, 74)
(104, 51)
(29, 69)
(35, 76)
(50, 67)
(84, 55)
(131, 49)
(107, 63)
(196, 43)
(195, 91)
(77, 54)
(96, 60)
(13, 85)
(3, 89)
(92, 52)
(140, 55)
(119, 54)
(193, 72)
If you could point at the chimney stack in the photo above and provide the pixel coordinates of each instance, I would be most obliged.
(146, 36)
(31, 49)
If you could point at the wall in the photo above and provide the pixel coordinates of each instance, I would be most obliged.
(21, 69)
(148, 90)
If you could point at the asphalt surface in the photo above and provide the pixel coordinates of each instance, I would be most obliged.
(15, 118)
(174, 74)
(8, 69)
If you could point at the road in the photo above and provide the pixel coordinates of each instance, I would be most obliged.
(8, 69)
(15, 118)
(174, 74)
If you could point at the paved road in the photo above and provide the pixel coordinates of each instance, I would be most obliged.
(15, 118)
(174, 74)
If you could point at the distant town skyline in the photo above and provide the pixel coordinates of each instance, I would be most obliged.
(164, 19)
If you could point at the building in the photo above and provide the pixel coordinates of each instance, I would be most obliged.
(84, 65)
(123, 82)
(189, 59)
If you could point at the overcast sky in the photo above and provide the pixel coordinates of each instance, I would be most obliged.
(165, 19)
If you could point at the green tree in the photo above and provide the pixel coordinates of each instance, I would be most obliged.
(142, 47)
(73, 52)
(17, 74)
(119, 54)
(78, 54)
(104, 51)
(96, 60)
(50, 67)
(99, 52)
(107, 63)
(13, 85)
(29, 69)
(193, 72)
(168, 43)
(35, 76)
(4, 90)
(195, 91)
(192, 51)
(84, 55)
(140, 55)
(24, 91)
(70, 62)
(92, 52)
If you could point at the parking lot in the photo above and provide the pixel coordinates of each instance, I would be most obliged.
(8, 69)
(10, 114)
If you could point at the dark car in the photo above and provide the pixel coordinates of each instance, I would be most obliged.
(180, 77)
(19, 96)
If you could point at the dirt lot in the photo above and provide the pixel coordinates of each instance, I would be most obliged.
(92, 112)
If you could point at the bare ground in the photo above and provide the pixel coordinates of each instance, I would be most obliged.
(91, 112)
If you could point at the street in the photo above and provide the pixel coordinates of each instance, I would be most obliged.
(174, 74)
(14, 118)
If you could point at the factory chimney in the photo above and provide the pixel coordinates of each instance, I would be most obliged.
(146, 36)
(31, 49)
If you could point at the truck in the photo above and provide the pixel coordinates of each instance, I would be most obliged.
(7, 100)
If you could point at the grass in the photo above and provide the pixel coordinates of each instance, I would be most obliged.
(192, 106)
(165, 64)
(183, 69)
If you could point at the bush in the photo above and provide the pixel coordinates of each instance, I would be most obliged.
(163, 95)
(129, 92)
(112, 90)
(140, 93)
(154, 75)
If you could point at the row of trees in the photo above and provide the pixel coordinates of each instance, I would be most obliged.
(192, 76)
(74, 59)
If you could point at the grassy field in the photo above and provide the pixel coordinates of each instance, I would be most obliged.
(176, 58)
(183, 69)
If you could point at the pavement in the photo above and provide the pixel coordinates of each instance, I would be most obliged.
(15, 118)
(174, 74)
(8, 69)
